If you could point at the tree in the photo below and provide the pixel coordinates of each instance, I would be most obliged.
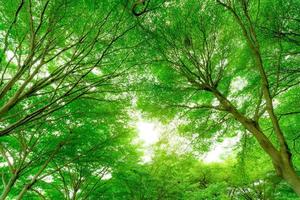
(226, 78)
(55, 52)
(73, 75)
(75, 156)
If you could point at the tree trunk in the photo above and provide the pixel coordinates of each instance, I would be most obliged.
(286, 170)
(282, 160)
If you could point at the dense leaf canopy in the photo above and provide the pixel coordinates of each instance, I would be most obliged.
(150, 99)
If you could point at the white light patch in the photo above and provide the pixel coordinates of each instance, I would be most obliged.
(147, 157)
(40, 190)
(48, 179)
(276, 102)
(107, 176)
(96, 72)
(10, 158)
(3, 164)
(219, 152)
(238, 84)
(10, 55)
(148, 132)
(215, 102)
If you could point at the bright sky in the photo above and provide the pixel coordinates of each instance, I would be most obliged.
(220, 151)
(9, 55)
(150, 132)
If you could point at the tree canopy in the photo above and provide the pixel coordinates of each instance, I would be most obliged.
(149, 99)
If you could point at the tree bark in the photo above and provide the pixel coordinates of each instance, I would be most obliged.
(282, 158)
(286, 170)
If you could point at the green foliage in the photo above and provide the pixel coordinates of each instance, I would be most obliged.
(74, 73)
